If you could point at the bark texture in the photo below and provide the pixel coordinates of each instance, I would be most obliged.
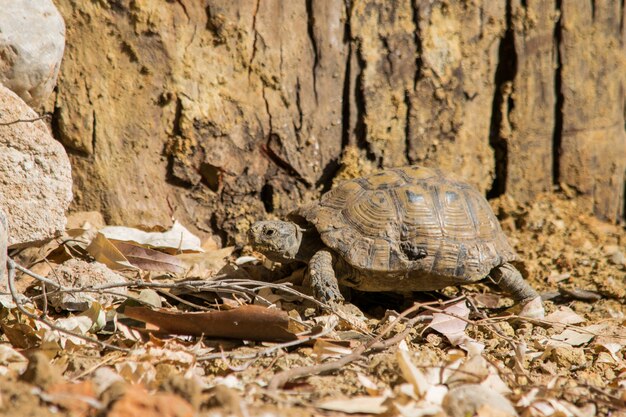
(218, 113)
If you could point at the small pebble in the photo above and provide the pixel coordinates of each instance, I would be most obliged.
(468, 400)
(618, 258)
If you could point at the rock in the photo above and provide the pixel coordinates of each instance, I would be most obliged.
(35, 174)
(472, 399)
(32, 40)
(566, 356)
(618, 258)
(76, 273)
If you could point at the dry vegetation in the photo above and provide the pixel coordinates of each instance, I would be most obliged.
(213, 335)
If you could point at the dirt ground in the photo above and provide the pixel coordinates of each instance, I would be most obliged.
(571, 364)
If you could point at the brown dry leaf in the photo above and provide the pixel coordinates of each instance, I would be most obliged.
(105, 252)
(577, 338)
(410, 372)
(447, 324)
(78, 399)
(369, 385)
(324, 349)
(21, 335)
(453, 327)
(356, 405)
(564, 315)
(533, 309)
(137, 371)
(472, 371)
(248, 322)
(149, 259)
(177, 239)
(207, 264)
(137, 402)
(488, 300)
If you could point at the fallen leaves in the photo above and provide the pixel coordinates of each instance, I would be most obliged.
(213, 330)
(137, 402)
(177, 239)
(246, 322)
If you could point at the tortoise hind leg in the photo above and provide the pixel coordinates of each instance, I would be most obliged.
(510, 280)
(323, 279)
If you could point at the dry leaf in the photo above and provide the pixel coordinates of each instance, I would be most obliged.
(453, 327)
(572, 337)
(533, 309)
(78, 399)
(564, 315)
(248, 322)
(177, 239)
(368, 384)
(106, 253)
(449, 325)
(206, 265)
(354, 405)
(576, 338)
(410, 372)
(150, 259)
(324, 349)
(137, 402)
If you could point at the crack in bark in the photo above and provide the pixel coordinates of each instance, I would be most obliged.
(415, 16)
(558, 104)
(311, 32)
(267, 110)
(256, 37)
(407, 128)
(388, 74)
(271, 155)
(359, 99)
(93, 134)
(504, 75)
(621, 22)
(182, 5)
(177, 122)
(298, 126)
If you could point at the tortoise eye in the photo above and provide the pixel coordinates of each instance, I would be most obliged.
(269, 232)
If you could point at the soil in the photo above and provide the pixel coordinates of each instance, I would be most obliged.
(573, 259)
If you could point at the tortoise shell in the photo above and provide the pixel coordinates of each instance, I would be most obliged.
(411, 219)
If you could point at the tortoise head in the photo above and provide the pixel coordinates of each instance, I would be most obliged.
(279, 241)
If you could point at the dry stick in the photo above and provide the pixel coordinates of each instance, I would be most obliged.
(11, 281)
(283, 377)
(183, 301)
(235, 286)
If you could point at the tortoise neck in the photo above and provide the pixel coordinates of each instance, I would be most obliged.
(310, 243)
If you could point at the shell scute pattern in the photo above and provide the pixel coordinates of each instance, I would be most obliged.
(411, 219)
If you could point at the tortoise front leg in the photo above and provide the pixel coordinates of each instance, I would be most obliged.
(323, 279)
(510, 280)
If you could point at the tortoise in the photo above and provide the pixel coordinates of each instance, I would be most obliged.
(401, 229)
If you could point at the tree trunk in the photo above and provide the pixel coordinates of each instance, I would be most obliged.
(220, 113)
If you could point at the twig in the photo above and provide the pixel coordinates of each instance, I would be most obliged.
(283, 377)
(18, 302)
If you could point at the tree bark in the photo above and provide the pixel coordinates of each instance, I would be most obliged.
(220, 113)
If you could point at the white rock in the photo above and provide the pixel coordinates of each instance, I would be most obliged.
(35, 174)
(32, 40)
(76, 273)
(471, 399)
